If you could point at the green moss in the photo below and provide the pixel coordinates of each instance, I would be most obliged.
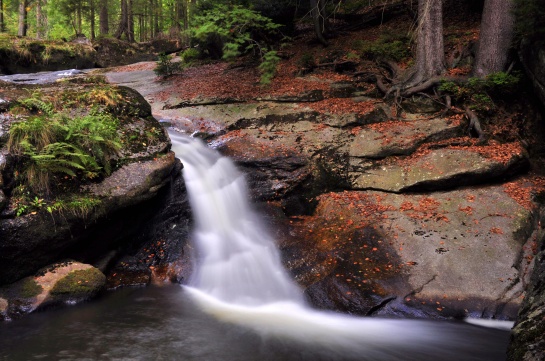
(29, 288)
(389, 45)
(79, 284)
(24, 289)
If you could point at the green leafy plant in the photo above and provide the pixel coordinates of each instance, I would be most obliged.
(166, 67)
(189, 55)
(230, 31)
(306, 62)
(80, 205)
(480, 92)
(391, 46)
(268, 66)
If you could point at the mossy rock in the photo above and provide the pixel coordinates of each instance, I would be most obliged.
(79, 284)
(25, 289)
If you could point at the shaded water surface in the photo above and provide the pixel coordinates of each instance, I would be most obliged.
(163, 324)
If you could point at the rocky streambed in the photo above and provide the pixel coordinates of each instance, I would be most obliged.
(375, 215)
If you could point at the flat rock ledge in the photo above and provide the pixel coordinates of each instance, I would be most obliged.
(440, 169)
(403, 138)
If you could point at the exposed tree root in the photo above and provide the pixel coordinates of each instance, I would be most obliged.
(415, 86)
(474, 123)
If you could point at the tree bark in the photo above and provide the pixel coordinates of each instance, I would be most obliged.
(41, 19)
(318, 18)
(130, 21)
(2, 23)
(123, 27)
(92, 18)
(22, 18)
(104, 23)
(430, 53)
(495, 39)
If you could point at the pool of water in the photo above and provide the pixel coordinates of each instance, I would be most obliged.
(163, 323)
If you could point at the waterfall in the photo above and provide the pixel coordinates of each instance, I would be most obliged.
(238, 261)
(239, 278)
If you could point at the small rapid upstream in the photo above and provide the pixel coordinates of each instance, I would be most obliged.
(240, 279)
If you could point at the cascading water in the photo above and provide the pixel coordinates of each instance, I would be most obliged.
(239, 278)
(238, 262)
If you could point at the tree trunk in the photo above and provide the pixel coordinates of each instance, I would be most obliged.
(2, 24)
(92, 18)
(104, 23)
(130, 21)
(41, 19)
(495, 39)
(22, 18)
(430, 53)
(123, 21)
(318, 18)
(79, 20)
(155, 18)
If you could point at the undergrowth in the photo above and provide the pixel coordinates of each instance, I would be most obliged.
(52, 145)
(481, 93)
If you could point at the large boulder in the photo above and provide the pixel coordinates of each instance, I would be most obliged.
(439, 169)
(86, 219)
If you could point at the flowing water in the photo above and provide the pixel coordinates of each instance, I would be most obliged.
(252, 310)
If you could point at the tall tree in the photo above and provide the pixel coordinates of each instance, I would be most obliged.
(103, 20)
(126, 23)
(430, 52)
(41, 19)
(317, 11)
(2, 23)
(92, 16)
(496, 35)
(23, 18)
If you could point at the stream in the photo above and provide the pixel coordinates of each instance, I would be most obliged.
(239, 305)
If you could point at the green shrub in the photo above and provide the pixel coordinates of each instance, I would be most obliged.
(189, 55)
(235, 30)
(389, 46)
(166, 67)
(268, 66)
(480, 92)
(306, 62)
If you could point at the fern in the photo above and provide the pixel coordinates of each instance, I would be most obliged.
(64, 145)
